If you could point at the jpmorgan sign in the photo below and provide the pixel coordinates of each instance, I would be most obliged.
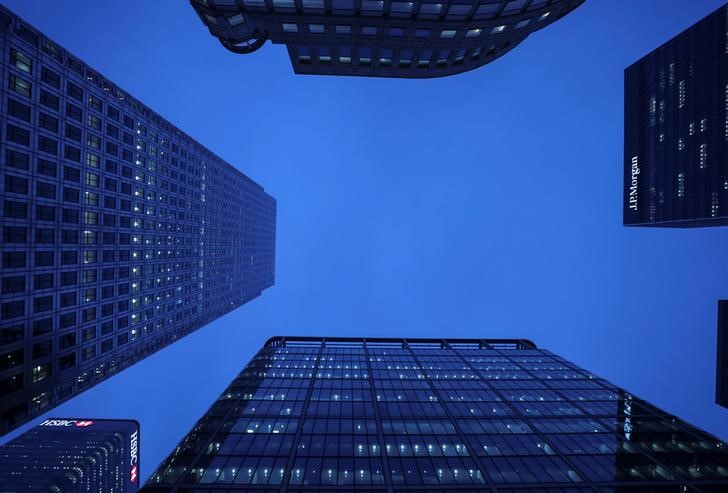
(634, 175)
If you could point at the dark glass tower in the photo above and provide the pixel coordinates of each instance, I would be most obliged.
(382, 38)
(421, 415)
(676, 130)
(120, 233)
(721, 367)
(72, 456)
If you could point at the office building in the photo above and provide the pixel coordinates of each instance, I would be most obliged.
(120, 233)
(676, 130)
(416, 39)
(721, 363)
(428, 415)
(63, 455)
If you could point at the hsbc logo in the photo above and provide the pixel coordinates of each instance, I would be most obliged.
(134, 448)
(65, 423)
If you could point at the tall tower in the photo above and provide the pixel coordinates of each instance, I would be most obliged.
(63, 455)
(381, 38)
(402, 415)
(676, 130)
(120, 233)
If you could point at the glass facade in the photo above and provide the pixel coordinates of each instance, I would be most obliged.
(721, 373)
(383, 38)
(420, 415)
(120, 233)
(63, 455)
(676, 130)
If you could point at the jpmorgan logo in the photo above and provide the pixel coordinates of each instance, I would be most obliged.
(65, 423)
(634, 175)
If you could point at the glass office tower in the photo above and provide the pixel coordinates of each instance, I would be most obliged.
(423, 415)
(120, 233)
(382, 38)
(676, 130)
(63, 455)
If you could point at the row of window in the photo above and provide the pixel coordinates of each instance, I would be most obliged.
(405, 58)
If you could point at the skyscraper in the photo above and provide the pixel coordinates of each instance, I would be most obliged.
(380, 38)
(427, 415)
(120, 233)
(676, 130)
(721, 363)
(72, 455)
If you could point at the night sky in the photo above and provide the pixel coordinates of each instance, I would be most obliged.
(486, 205)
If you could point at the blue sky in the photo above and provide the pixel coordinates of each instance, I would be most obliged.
(486, 204)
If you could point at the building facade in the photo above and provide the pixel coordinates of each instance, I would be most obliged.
(63, 455)
(676, 130)
(382, 38)
(120, 233)
(422, 415)
(721, 362)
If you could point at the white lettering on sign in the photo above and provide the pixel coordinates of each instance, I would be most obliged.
(635, 172)
(134, 446)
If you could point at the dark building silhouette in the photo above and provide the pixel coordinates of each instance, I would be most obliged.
(721, 373)
(63, 455)
(676, 130)
(381, 38)
(427, 415)
(120, 233)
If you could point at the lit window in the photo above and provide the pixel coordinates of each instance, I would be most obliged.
(22, 61)
(544, 16)
(430, 8)
(498, 29)
(472, 33)
(316, 28)
(523, 23)
(289, 28)
(448, 33)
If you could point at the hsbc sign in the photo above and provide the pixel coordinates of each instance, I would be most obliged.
(134, 447)
(65, 423)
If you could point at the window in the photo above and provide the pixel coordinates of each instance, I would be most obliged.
(42, 304)
(43, 281)
(498, 29)
(47, 168)
(13, 260)
(48, 122)
(369, 30)
(448, 33)
(67, 320)
(69, 216)
(422, 33)
(69, 236)
(45, 212)
(16, 184)
(21, 86)
(73, 132)
(74, 91)
(71, 174)
(14, 284)
(74, 112)
(14, 234)
(16, 159)
(95, 103)
(18, 110)
(92, 179)
(18, 135)
(17, 210)
(68, 299)
(45, 235)
(21, 61)
(50, 77)
(343, 29)
(316, 28)
(45, 190)
(69, 257)
(48, 145)
(13, 309)
(70, 194)
(69, 278)
(472, 33)
(289, 28)
(44, 259)
(49, 100)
